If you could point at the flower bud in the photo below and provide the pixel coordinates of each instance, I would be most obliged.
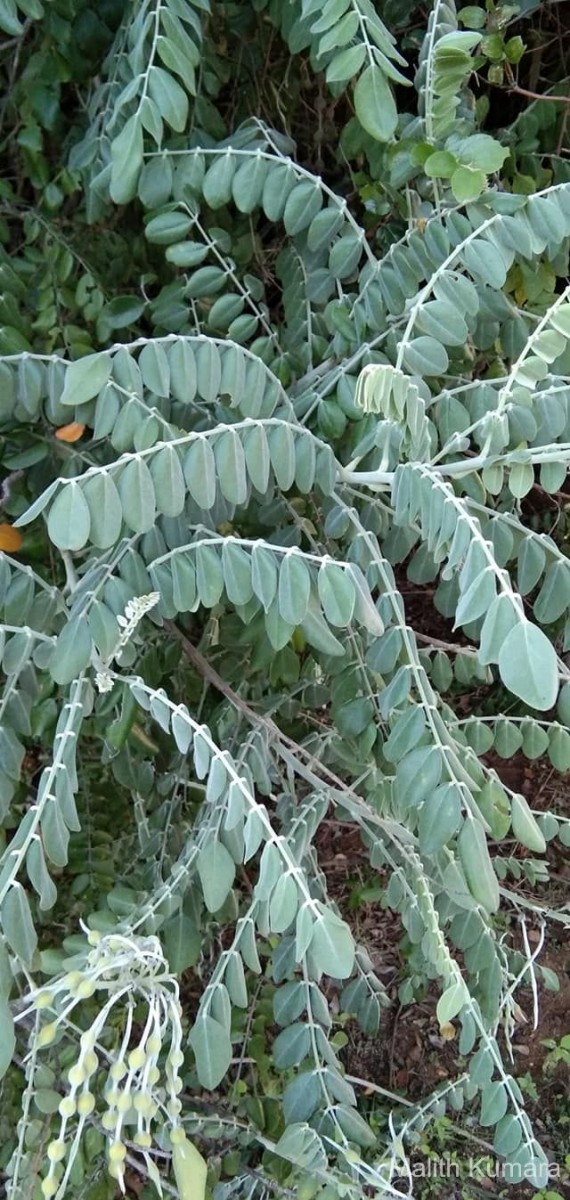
(109, 1121)
(77, 1074)
(47, 1035)
(85, 1104)
(118, 1070)
(90, 1062)
(143, 1139)
(124, 1102)
(85, 989)
(117, 1152)
(56, 1151)
(72, 981)
(49, 1187)
(67, 1107)
(144, 1104)
(137, 1059)
(44, 999)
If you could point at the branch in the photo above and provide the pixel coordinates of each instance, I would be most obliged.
(520, 91)
(289, 750)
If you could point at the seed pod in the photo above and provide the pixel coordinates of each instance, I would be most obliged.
(477, 865)
(190, 1169)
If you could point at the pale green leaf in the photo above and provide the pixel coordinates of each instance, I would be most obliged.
(105, 509)
(72, 651)
(170, 99)
(494, 1103)
(264, 575)
(291, 1046)
(155, 369)
(231, 467)
(301, 1097)
(345, 65)
(212, 1048)
(283, 904)
(440, 818)
(336, 593)
(69, 519)
(209, 575)
(190, 1168)
(451, 1002)
(248, 183)
(217, 185)
(85, 378)
(168, 480)
(17, 924)
(200, 473)
(217, 871)
(417, 776)
(525, 828)
(332, 946)
(303, 204)
(500, 619)
(375, 106)
(467, 184)
(182, 942)
(294, 588)
(236, 565)
(136, 492)
(426, 356)
(528, 666)
(39, 876)
(127, 160)
(257, 457)
(7, 1037)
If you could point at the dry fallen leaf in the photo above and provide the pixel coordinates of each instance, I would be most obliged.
(447, 1031)
(10, 539)
(70, 433)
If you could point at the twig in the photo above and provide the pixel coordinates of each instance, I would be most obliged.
(6, 486)
(209, 673)
(375, 1087)
(451, 647)
(520, 91)
(368, 1086)
(14, 67)
(393, 1045)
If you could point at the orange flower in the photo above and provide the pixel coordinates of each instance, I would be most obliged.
(10, 538)
(70, 433)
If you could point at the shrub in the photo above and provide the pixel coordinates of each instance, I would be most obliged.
(205, 644)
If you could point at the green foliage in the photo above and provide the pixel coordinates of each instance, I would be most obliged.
(233, 421)
(558, 1052)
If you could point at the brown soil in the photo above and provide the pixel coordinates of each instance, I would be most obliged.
(409, 1056)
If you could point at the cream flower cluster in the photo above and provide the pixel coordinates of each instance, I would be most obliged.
(132, 1083)
(134, 612)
